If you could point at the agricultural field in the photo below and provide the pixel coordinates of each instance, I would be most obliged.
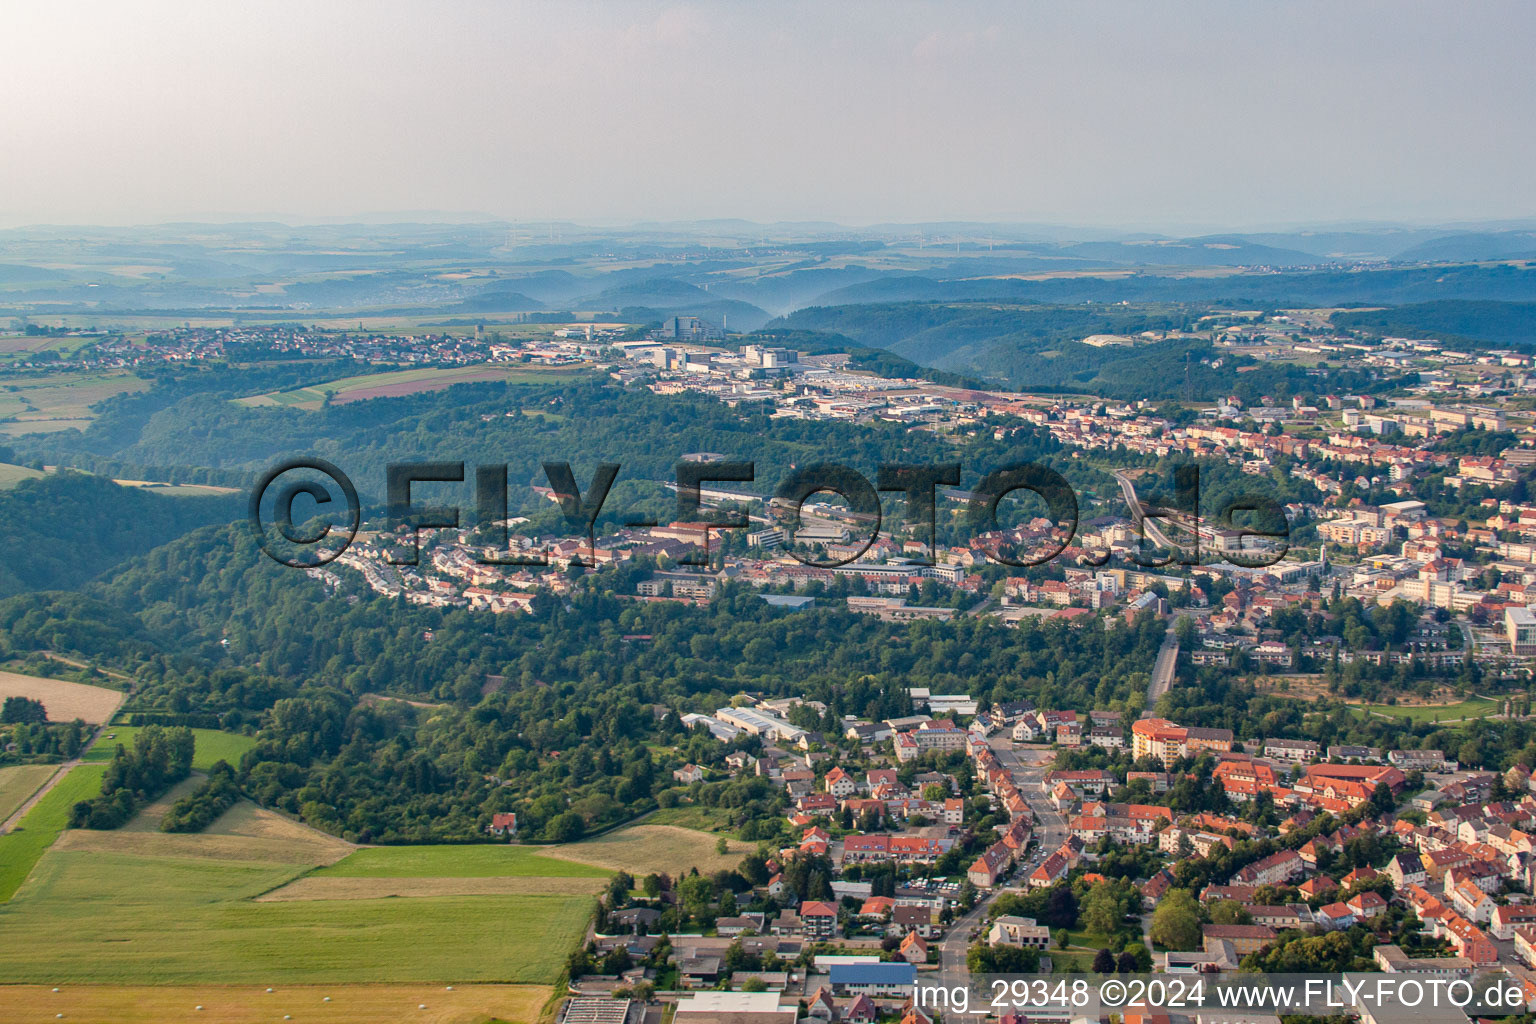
(395, 383)
(114, 908)
(21, 847)
(245, 833)
(11, 475)
(249, 1004)
(60, 401)
(211, 745)
(23, 348)
(19, 782)
(646, 849)
(65, 701)
(478, 861)
(178, 490)
(326, 887)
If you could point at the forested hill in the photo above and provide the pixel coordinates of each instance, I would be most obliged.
(569, 715)
(213, 629)
(1388, 286)
(1490, 323)
(207, 438)
(66, 528)
(1039, 348)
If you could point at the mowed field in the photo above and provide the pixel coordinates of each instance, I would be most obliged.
(141, 907)
(19, 782)
(138, 925)
(250, 1004)
(138, 906)
(178, 490)
(64, 700)
(11, 475)
(21, 847)
(1475, 707)
(60, 401)
(654, 849)
(475, 861)
(395, 383)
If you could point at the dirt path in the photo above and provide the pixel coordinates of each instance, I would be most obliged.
(47, 787)
(75, 663)
(42, 791)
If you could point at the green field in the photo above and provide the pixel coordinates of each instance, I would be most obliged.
(393, 383)
(1477, 707)
(11, 475)
(59, 401)
(19, 782)
(105, 918)
(212, 745)
(480, 861)
(21, 848)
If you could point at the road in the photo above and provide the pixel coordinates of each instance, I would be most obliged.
(1162, 670)
(982, 606)
(1138, 516)
(1027, 765)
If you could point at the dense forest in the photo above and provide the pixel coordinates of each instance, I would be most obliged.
(1454, 321)
(65, 528)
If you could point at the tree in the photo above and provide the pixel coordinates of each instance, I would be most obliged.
(754, 985)
(1060, 907)
(1101, 910)
(565, 828)
(721, 846)
(1382, 799)
(23, 710)
(1176, 921)
(1141, 956)
(1126, 963)
(1229, 912)
(1104, 962)
(618, 889)
(697, 894)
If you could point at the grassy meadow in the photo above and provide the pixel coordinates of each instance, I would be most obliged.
(211, 745)
(19, 782)
(21, 848)
(103, 918)
(393, 383)
(479, 861)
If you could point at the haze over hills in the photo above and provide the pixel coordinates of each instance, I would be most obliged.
(744, 275)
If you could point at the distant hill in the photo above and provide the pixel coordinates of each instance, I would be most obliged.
(1492, 323)
(1500, 245)
(738, 316)
(1039, 348)
(653, 291)
(1214, 251)
(1388, 286)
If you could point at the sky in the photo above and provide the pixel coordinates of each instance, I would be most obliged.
(1138, 115)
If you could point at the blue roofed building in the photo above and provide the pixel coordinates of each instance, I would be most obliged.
(873, 979)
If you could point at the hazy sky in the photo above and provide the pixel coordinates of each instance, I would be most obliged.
(1145, 113)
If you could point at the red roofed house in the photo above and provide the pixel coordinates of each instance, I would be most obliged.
(1366, 905)
(819, 919)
